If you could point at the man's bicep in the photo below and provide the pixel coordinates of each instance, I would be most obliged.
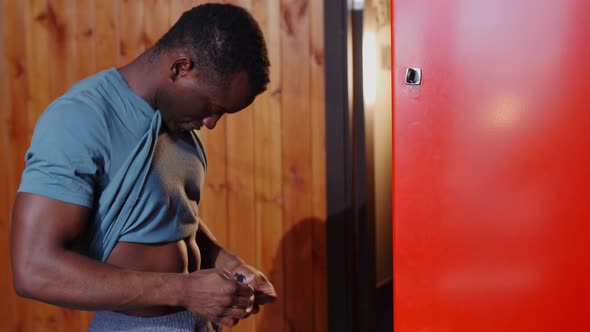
(42, 223)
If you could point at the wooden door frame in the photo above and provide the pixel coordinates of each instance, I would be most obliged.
(351, 280)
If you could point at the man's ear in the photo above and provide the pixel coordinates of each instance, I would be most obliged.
(180, 67)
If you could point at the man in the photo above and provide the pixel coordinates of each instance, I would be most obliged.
(106, 215)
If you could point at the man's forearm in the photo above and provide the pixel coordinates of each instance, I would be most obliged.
(213, 254)
(225, 260)
(71, 280)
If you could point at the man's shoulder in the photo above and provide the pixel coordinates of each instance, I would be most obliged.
(74, 113)
(93, 82)
(84, 105)
(92, 92)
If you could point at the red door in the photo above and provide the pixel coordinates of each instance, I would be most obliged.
(492, 165)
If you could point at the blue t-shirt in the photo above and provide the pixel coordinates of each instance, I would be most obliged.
(100, 146)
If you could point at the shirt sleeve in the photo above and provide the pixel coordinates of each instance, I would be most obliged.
(68, 153)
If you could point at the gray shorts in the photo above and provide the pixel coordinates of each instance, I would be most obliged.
(183, 321)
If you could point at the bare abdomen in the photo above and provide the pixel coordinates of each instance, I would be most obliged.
(176, 257)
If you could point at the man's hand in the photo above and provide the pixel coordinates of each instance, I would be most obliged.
(264, 291)
(218, 297)
(214, 255)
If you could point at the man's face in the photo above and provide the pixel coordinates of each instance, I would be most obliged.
(191, 102)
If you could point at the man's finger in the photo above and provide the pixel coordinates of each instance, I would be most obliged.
(244, 290)
(227, 321)
(264, 298)
(226, 274)
(242, 302)
(235, 313)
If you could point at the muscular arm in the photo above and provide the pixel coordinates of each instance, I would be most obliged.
(45, 269)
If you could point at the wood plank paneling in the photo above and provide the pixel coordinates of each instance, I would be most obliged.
(15, 115)
(155, 20)
(3, 134)
(268, 161)
(264, 195)
(318, 155)
(132, 41)
(242, 234)
(6, 315)
(297, 159)
(37, 42)
(61, 55)
(107, 34)
(15, 131)
(84, 42)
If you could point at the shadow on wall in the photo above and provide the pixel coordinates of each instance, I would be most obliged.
(299, 276)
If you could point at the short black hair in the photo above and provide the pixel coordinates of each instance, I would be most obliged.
(224, 39)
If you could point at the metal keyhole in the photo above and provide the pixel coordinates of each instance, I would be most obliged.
(413, 76)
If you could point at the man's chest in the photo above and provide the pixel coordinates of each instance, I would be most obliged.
(177, 167)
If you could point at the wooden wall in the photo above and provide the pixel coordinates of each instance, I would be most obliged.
(265, 190)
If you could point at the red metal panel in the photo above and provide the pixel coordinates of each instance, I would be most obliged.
(492, 166)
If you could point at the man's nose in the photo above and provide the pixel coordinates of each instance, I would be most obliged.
(211, 121)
